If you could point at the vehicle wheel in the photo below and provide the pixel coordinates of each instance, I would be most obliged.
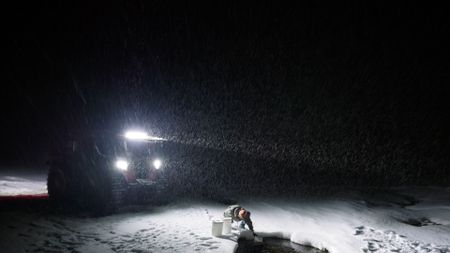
(60, 186)
(79, 179)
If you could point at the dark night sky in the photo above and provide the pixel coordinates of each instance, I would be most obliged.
(360, 88)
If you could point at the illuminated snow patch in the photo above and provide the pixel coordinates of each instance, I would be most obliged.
(10, 186)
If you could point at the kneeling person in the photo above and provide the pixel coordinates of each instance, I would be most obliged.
(239, 214)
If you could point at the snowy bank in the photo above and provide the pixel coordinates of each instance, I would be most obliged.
(381, 222)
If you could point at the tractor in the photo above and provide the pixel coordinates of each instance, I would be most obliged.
(104, 172)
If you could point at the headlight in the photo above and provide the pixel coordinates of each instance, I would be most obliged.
(122, 164)
(157, 164)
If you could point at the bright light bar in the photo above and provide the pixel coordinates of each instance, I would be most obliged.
(141, 136)
(134, 135)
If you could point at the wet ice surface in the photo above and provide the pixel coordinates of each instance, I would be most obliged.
(273, 245)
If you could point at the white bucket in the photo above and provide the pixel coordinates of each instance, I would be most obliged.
(226, 225)
(217, 226)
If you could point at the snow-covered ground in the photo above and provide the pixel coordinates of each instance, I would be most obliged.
(407, 220)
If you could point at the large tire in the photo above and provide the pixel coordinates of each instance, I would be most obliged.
(80, 182)
(85, 181)
(61, 187)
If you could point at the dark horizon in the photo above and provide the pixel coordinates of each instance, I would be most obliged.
(345, 92)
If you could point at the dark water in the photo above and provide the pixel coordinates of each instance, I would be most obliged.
(274, 245)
